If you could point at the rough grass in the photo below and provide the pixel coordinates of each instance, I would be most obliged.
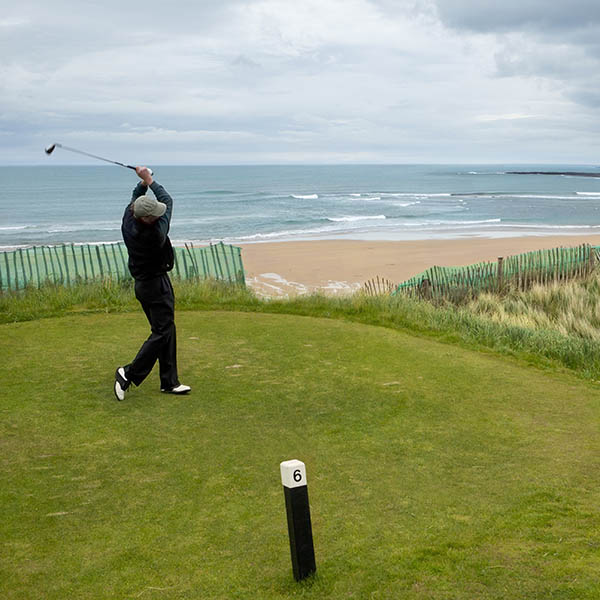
(109, 296)
(434, 472)
(569, 308)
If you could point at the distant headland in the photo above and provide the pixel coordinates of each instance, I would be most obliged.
(567, 173)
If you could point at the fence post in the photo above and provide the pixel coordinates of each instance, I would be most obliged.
(185, 268)
(68, 275)
(43, 251)
(7, 270)
(216, 268)
(14, 255)
(233, 264)
(25, 282)
(194, 259)
(118, 275)
(500, 272)
(242, 275)
(205, 265)
(37, 266)
(176, 260)
(426, 289)
(99, 262)
(60, 269)
(124, 260)
(28, 252)
(77, 277)
(107, 260)
(85, 274)
(92, 269)
(193, 268)
(218, 247)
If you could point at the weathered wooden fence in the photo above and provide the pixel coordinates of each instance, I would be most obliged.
(72, 263)
(378, 286)
(517, 272)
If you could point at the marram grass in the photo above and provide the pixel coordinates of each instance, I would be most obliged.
(570, 308)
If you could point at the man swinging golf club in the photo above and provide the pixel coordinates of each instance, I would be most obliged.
(145, 227)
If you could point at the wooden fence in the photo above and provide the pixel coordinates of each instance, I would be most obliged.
(67, 264)
(516, 272)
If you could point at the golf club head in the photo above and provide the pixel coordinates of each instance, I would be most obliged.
(50, 149)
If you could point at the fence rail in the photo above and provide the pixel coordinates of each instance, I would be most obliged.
(67, 264)
(518, 272)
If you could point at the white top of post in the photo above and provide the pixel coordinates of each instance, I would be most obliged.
(293, 473)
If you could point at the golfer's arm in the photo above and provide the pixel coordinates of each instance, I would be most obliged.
(163, 196)
(139, 190)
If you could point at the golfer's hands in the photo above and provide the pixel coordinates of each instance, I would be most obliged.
(144, 174)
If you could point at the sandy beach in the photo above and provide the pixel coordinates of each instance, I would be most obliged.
(342, 266)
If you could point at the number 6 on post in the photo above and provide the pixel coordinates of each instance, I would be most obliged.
(293, 478)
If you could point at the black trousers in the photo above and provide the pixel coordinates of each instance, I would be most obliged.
(158, 301)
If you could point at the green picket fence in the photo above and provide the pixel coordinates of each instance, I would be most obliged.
(520, 271)
(71, 263)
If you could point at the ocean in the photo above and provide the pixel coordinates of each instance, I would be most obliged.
(243, 204)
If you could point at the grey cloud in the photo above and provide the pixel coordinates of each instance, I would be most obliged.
(521, 57)
(552, 40)
(512, 15)
(588, 95)
(46, 35)
(279, 81)
(131, 16)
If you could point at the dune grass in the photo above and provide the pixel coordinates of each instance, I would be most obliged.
(570, 308)
(434, 472)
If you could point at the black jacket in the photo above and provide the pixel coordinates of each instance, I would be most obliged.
(149, 246)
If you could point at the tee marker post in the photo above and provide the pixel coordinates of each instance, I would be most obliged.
(293, 478)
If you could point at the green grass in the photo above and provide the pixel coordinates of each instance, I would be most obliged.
(434, 472)
(545, 343)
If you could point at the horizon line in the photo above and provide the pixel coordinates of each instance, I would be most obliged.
(302, 164)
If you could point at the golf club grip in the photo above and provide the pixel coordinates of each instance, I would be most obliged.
(149, 169)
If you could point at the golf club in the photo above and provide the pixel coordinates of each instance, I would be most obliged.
(50, 149)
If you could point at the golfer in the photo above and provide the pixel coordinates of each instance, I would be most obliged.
(145, 227)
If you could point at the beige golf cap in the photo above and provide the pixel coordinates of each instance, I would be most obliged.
(147, 206)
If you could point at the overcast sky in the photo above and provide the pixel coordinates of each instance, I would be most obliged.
(301, 81)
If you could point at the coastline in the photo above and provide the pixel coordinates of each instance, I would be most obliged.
(333, 267)
(342, 266)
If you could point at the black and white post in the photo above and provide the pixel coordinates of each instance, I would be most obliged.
(295, 489)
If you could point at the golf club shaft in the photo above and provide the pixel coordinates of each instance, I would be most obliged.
(51, 148)
(114, 162)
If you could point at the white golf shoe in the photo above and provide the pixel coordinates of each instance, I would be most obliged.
(121, 383)
(178, 389)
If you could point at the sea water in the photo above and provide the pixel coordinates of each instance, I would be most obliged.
(242, 204)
